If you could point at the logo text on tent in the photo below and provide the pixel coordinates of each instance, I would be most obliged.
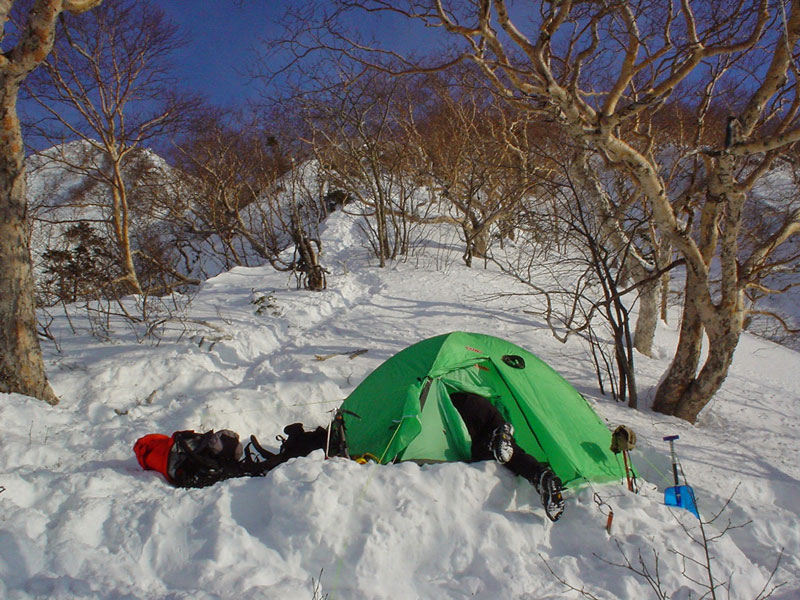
(471, 349)
(482, 368)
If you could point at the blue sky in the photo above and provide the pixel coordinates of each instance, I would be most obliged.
(223, 35)
(223, 38)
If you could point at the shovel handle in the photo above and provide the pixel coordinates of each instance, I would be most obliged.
(671, 439)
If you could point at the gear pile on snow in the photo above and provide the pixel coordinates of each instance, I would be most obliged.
(189, 459)
(455, 397)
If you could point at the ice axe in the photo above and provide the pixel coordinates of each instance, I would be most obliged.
(679, 495)
(623, 440)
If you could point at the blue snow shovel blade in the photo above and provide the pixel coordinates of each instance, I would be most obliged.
(681, 496)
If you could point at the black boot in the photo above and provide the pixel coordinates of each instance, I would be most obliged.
(549, 488)
(503, 443)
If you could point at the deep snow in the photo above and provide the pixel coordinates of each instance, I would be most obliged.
(80, 519)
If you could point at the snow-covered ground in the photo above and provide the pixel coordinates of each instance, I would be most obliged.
(80, 519)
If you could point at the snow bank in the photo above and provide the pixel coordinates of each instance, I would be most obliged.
(80, 519)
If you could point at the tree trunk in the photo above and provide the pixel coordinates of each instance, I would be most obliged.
(710, 378)
(683, 368)
(665, 280)
(480, 242)
(724, 328)
(383, 242)
(21, 364)
(476, 238)
(647, 320)
(312, 274)
(121, 220)
(664, 255)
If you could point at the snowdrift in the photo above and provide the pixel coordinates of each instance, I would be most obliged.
(80, 519)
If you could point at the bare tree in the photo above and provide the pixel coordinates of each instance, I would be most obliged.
(297, 206)
(604, 70)
(477, 158)
(424, 150)
(577, 264)
(249, 192)
(624, 226)
(21, 365)
(227, 162)
(357, 133)
(107, 83)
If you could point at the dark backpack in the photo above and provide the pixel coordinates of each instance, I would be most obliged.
(202, 459)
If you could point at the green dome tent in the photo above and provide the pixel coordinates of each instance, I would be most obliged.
(402, 410)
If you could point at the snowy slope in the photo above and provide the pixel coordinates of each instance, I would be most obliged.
(80, 519)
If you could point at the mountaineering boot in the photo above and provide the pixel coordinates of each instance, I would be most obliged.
(549, 488)
(502, 443)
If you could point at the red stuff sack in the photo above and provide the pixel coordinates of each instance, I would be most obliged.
(152, 451)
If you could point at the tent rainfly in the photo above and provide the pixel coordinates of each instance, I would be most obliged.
(402, 410)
